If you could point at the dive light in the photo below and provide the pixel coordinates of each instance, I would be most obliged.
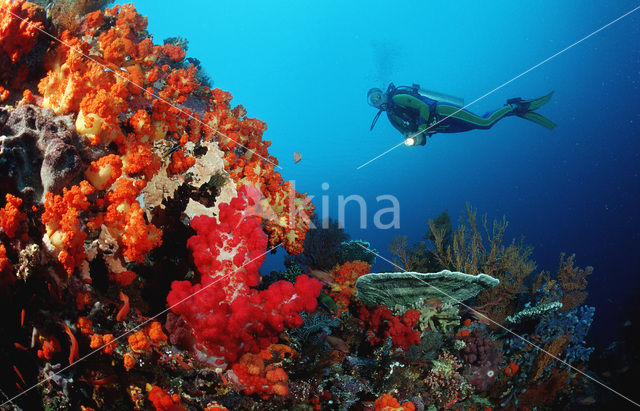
(415, 140)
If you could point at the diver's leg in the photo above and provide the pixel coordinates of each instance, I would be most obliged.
(467, 120)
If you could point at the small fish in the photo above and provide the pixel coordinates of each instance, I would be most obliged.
(323, 276)
(590, 400)
(337, 344)
(48, 9)
(328, 303)
(171, 150)
(297, 157)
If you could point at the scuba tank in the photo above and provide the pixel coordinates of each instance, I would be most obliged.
(439, 97)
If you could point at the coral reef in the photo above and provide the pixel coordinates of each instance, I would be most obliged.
(136, 209)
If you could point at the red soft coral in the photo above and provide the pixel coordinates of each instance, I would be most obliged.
(227, 315)
(381, 323)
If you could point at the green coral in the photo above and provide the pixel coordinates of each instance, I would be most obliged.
(532, 313)
(441, 318)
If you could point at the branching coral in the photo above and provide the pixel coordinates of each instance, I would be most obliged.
(412, 258)
(573, 282)
(470, 252)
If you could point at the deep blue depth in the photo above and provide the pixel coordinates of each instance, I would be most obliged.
(305, 68)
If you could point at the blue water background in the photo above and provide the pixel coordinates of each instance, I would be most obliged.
(305, 68)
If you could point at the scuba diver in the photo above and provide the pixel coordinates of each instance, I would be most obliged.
(419, 113)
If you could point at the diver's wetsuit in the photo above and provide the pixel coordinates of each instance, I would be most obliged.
(410, 112)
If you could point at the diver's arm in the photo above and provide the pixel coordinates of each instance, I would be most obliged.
(404, 127)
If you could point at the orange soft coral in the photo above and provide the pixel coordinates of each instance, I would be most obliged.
(139, 159)
(100, 95)
(148, 337)
(11, 218)
(128, 361)
(386, 402)
(180, 83)
(68, 78)
(106, 340)
(126, 223)
(162, 401)
(85, 325)
(98, 116)
(62, 223)
(123, 278)
(50, 346)
(18, 35)
(104, 172)
(180, 163)
(254, 376)
(156, 335)
(6, 268)
(139, 341)
(173, 52)
(254, 165)
(345, 277)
